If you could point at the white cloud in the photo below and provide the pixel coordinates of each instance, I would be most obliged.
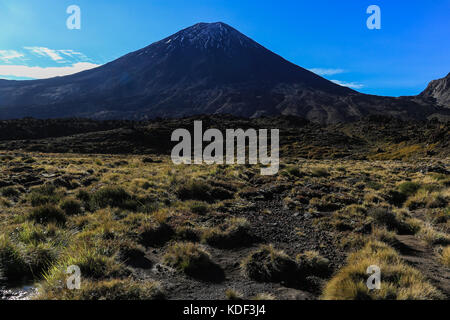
(46, 52)
(7, 55)
(326, 72)
(352, 85)
(44, 72)
(73, 54)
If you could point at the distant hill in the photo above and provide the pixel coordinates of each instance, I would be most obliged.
(373, 137)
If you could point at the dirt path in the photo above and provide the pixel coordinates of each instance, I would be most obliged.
(422, 257)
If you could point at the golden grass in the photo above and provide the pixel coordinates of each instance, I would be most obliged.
(445, 256)
(398, 280)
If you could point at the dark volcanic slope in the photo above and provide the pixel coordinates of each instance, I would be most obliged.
(204, 69)
(439, 90)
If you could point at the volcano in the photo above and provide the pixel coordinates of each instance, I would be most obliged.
(208, 68)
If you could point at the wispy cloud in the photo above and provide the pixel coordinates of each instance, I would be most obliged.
(352, 85)
(8, 55)
(44, 72)
(73, 54)
(326, 72)
(46, 52)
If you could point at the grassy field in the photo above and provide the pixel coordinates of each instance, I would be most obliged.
(143, 228)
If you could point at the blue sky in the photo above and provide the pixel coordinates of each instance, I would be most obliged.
(327, 36)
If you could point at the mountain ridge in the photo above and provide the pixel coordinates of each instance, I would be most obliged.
(208, 68)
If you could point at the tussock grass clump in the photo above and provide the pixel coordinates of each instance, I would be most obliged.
(264, 296)
(398, 280)
(425, 199)
(114, 197)
(269, 265)
(445, 256)
(12, 265)
(385, 217)
(231, 294)
(433, 237)
(408, 188)
(30, 233)
(92, 264)
(114, 289)
(39, 257)
(404, 190)
(234, 232)
(129, 250)
(384, 235)
(202, 191)
(193, 261)
(312, 263)
(200, 208)
(5, 202)
(71, 207)
(153, 233)
(294, 171)
(43, 195)
(46, 214)
(24, 262)
(187, 233)
(9, 192)
(319, 172)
